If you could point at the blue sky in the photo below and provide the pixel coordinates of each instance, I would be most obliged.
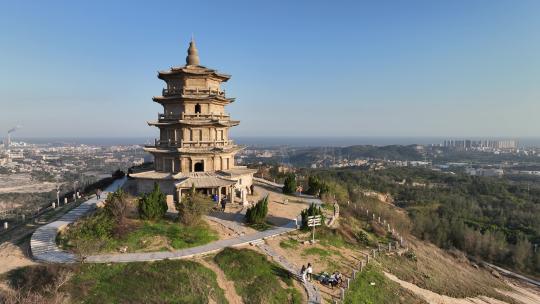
(300, 68)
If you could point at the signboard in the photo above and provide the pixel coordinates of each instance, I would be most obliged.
(312, 221)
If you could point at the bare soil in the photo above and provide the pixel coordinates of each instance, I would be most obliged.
(12, 256)
(223, 282)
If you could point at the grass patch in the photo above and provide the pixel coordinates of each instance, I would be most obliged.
(331, 237)
(289, 244)
(143, 236)
(169, 281)
(384, 291)
(256, 279)
(260, 226)
(317, 251)
(179, 236)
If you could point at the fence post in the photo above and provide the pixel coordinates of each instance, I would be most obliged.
(389, 246)
(354, 274)
(348, 283)
(342, 294)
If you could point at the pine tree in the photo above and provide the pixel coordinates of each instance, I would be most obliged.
(257, 214)
(153, 206)
(289, 186)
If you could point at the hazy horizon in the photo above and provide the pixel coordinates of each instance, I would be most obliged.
(370, 68)
(294, 141)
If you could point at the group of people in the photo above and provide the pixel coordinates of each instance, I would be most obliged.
(333, 280)
(307, 272)
(223, 201)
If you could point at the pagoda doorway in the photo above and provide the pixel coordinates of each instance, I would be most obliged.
(199, 167)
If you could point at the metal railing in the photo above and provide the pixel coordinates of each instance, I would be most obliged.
(170, 143)
(201, 116)
(196, 91)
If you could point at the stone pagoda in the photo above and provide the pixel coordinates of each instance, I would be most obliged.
(194, 148)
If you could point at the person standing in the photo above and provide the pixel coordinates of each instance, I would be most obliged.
(223, 204)
(98, 193)
(303, 272)
(309, 271)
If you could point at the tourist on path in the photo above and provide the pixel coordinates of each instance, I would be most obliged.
(223, 204)
(309, 271)
(98, 193)
(303, 273)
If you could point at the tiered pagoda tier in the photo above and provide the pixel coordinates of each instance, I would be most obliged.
(194, 146)
(194, 127)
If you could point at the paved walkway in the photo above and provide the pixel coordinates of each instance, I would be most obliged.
(193, 251)
(43, 241)
(314, 297)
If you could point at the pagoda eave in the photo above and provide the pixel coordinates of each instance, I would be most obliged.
(221, 123)
(192, 71)
(199, 99)
(193, 151)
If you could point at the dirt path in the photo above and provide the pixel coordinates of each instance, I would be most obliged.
(223, 282)
(525, 295)
(435, 298)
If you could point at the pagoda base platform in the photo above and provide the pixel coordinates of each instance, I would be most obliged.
(231, 185)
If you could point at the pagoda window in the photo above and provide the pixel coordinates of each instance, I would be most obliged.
(197, 108)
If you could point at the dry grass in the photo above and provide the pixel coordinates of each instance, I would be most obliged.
(440, 272)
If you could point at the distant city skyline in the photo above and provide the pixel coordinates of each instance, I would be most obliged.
(455, 69)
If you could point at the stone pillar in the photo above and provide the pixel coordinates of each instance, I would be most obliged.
(179, 195)
(244, 196)
(219, 195)
(232, 193)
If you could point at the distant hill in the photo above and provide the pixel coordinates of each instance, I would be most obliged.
(307, 156)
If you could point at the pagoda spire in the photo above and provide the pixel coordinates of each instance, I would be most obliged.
(193, 54)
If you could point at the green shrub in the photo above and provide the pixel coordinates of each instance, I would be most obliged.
(116, 205)
(362, 238)
(289, 186)
(193, 207)
(311, 211)
(257, 214)
(316, 186)
(153, 206)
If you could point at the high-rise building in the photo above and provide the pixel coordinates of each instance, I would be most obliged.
(194, 148)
